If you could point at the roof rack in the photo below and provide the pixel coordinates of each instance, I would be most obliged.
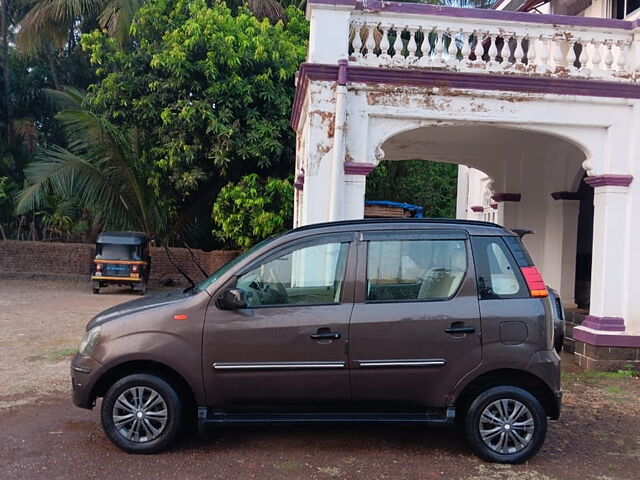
(370, 221)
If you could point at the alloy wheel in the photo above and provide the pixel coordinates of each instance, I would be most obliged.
(506, 426)
(140, 414)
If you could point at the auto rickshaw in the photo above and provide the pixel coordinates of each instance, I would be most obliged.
(121, 258)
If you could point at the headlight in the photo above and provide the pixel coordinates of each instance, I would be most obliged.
(89, 341)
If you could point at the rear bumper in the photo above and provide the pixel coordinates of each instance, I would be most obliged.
(546, 366)
(84, 373)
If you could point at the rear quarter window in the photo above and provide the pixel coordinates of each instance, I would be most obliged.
(497, 272)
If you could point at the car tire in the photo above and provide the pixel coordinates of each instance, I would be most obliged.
(506, 425)
(141, 413)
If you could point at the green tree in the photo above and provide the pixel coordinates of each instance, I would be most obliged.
(210, 91)
(99, 171)
(251, 210)
(431, 185)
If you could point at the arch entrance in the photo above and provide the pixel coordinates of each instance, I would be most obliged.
(514, 176)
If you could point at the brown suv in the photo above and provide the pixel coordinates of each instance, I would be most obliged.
(420, 321)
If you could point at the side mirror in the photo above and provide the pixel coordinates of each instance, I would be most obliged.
(232, 299)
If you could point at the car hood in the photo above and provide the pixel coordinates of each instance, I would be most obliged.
(146, 303)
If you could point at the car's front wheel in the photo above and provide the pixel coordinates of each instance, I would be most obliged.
(506, 425)
(141, 413)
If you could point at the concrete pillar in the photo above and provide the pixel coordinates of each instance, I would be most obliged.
(508, 208)
(354, 189)
(609, 270)
(560, 239)
(609, 337)
(462, 199)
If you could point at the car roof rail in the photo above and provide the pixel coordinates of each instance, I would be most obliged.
(382, 221)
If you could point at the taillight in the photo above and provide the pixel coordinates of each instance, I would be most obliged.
(134, 268)
(534, 280)
(98, 267)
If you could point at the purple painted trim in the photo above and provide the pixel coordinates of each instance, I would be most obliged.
(604, 340)
(605, 324)
(444, 80)
(476, 13)
(342, 71)
(333, 2)
(609, 180)
(565, 196)
(483, 81)
(477, 208)
(494, 206)
(506, 197)
(299, 183)
(357, 168)
(306, 72)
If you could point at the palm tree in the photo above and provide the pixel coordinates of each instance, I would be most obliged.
(54, 22)
(99, 171)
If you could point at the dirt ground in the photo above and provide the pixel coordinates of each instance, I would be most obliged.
(45, 436)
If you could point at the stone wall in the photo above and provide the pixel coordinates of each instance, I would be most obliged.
(49, 260)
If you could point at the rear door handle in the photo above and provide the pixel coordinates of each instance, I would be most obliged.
(460, 329)
(325, 334)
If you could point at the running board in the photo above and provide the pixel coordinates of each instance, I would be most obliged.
(207, 417)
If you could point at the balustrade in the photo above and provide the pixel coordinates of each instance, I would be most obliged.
(470, 44)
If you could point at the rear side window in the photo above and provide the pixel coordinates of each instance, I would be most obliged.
(407, 270)
(498, 274)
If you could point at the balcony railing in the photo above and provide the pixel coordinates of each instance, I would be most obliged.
(416, 36)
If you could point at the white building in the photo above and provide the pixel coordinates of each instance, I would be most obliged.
(540, 111)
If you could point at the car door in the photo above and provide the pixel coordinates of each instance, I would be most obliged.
(287, 348)
(415, 328)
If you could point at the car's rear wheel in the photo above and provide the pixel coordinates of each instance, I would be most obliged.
(506, 425)
(141, 413)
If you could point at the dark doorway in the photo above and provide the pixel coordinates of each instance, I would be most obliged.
(584, 246)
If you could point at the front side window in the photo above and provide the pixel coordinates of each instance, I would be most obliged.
(309, 275)
(415, 269)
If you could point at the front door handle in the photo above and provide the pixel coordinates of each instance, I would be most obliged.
(457, 329)
(325, 334)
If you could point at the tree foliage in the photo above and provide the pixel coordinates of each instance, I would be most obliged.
(431, 185)
(251, 210)
(211, 93)
(99, 171)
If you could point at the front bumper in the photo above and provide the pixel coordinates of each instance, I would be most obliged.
(84, 373)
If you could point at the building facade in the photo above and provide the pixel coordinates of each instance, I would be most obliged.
(538, 110)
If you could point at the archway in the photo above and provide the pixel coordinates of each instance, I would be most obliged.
(526, 177)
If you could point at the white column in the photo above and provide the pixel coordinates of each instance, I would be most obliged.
(462, 199)
(354, 189)
(610, 266)
(324, 48)
(560, 239)
(337, 161)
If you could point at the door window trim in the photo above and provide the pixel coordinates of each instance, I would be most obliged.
(347, 286)
(436, 235)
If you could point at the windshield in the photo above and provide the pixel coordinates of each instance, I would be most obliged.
(227, 266)
(112, 251)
